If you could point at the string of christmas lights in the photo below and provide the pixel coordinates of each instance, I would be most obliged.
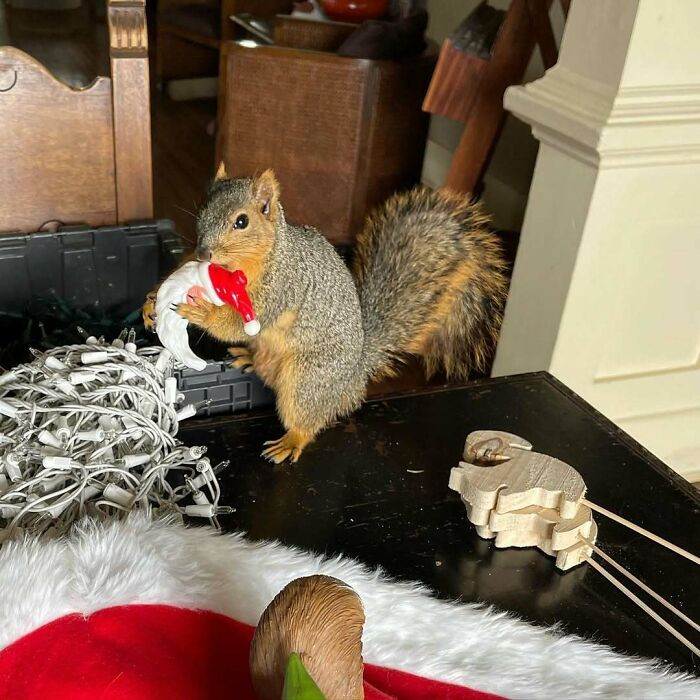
(90, 429)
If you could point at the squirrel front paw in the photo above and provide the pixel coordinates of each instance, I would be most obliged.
(198, 311)
(148, 312)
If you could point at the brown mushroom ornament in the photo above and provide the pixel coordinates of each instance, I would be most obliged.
(320, 619)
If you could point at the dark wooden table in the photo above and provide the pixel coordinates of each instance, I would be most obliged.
(355, 492)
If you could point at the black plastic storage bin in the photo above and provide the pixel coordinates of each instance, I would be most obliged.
(226, 388)
(112, 268)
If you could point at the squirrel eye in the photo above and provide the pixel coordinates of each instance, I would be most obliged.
(241, 221)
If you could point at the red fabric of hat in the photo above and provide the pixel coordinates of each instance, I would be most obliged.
(145, 652)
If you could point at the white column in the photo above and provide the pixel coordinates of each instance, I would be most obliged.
(606, 288)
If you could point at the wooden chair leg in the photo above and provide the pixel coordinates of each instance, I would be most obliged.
(542, 26)
(132, 116)
(511, 54)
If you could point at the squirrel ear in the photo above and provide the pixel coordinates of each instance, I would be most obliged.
(266, 191)
(221, 173)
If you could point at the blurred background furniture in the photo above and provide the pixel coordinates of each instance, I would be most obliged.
(50, 5)
(78, 155)
(487, 53)
(342, 133)
(189, 33)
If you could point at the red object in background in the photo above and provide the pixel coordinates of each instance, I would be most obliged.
(354, 10)
(142, 652)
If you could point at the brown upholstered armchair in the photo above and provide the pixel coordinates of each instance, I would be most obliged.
(189, 33)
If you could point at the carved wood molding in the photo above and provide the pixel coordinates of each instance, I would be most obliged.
(19, 72)
(128, 35)
(608, 126)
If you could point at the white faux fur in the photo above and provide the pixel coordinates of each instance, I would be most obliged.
(138, 561)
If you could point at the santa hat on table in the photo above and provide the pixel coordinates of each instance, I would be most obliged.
(141, 609)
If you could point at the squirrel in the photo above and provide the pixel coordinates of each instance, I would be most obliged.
(428, 279)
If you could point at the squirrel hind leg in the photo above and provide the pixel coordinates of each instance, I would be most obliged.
(288, 447)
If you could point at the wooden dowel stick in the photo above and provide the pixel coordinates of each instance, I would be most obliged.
(659, 540)
(621, 586)
(641, 584)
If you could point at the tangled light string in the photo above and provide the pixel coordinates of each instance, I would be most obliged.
(90, 430)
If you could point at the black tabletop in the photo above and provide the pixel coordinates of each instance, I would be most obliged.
(374, 487)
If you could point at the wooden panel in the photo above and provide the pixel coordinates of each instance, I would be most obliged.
(647, 307)
(132, 118)
(56, 148)
(179, 58)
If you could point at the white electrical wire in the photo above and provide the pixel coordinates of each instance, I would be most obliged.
(91, 430)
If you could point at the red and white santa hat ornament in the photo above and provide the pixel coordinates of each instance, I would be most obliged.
(225, 287)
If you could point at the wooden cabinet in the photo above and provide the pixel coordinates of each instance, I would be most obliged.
(341, 133)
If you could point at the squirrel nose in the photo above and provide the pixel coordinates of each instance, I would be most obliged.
(203, 253)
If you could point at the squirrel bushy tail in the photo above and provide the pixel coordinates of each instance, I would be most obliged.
(431, 281)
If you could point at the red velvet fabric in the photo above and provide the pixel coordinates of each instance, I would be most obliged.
(148, 652)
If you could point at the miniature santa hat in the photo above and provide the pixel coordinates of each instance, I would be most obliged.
(137, 609)
(224, 287)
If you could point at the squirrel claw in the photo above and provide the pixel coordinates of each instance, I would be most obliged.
(288, 447)
(197, 313)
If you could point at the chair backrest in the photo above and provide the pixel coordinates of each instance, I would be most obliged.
(77, 155)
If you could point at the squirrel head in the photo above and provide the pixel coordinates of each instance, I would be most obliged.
(236, 226)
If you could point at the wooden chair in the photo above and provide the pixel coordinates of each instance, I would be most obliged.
(78, 155)
(468, 86)
(189, 33)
